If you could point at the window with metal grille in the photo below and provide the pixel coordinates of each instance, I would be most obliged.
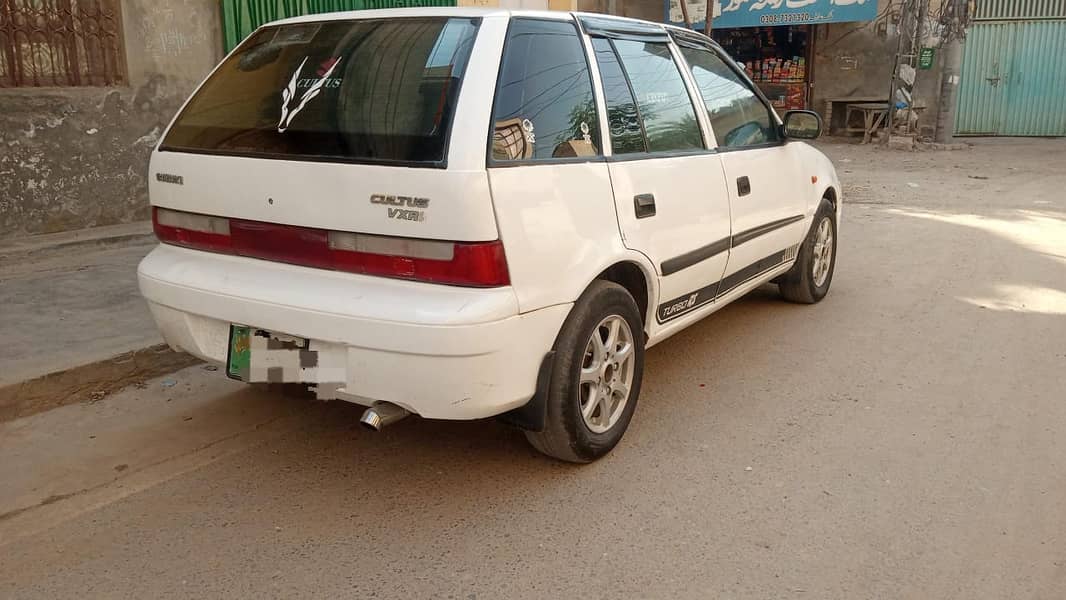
(61, 43)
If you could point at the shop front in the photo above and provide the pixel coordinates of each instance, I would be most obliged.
(774, 39)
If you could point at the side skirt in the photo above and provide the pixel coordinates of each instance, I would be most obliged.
(678, 307)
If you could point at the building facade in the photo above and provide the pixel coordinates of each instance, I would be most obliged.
(1014, 70)
(86, 88)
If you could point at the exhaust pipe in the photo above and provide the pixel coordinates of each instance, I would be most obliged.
(382, 414)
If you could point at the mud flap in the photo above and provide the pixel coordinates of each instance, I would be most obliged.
(533, 416)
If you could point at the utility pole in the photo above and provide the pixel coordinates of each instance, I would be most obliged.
(905, 73)
(901, 26)
(921, 15)
(684, 13)
(709, 23)
(953, 25)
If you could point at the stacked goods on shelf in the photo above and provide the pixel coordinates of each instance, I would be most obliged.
(780, 70)
(773, 58)
(796, 98)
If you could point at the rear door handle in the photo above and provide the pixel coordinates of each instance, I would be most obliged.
(743, 186)
(644, 205)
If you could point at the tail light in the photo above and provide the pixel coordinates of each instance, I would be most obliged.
(477, 264)
(202, 232)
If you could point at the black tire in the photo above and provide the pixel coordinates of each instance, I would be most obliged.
(566, 435)
(798, 285)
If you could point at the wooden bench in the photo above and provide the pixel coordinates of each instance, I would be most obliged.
(873, 117)
(834, 107)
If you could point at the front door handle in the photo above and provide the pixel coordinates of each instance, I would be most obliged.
(743, 186)
(644, 205)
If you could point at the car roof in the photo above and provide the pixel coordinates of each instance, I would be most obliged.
(385, 13)
(448, 11)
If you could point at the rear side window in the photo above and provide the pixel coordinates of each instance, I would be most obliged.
(627, 134)
(739, 118)
(365, 91)
(544, 106)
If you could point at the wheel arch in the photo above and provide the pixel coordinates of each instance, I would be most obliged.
(628, 272)
(634, 278)
(831, 195)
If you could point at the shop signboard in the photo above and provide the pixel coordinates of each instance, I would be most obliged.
(925, 58)
(767, 13)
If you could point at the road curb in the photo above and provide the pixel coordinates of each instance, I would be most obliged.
(48, 244)
(90, 382)
(132, 239)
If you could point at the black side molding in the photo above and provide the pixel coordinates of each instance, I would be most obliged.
(754, 232)
(686, 260)
(750, 272)
(683, 305)
(533, 416)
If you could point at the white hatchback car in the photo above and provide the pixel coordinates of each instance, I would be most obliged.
(464, 213)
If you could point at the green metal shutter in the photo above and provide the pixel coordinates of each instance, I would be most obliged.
(242, 17)
(1020, 9)
(1013, 74)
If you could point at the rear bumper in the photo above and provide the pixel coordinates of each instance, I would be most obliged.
(441, 352)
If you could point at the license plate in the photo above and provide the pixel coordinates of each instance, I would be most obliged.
(239, 360)
(257, 356)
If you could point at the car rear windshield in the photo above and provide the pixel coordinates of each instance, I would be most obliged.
(358, 91)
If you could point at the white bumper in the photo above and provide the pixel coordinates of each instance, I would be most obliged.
(441, 352)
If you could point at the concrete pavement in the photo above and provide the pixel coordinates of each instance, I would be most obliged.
(74, 325)
(69, 301)
(902, 439)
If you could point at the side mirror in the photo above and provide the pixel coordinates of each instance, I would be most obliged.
(802, 125)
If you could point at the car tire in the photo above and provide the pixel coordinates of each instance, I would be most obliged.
(809, 279)
(593, 388)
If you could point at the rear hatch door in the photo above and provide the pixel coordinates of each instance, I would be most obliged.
(340, 124)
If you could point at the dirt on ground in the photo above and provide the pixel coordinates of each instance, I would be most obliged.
(905, 438)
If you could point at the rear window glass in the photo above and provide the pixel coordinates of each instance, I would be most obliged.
(364, 90)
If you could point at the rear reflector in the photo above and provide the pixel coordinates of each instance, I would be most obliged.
(282, 243)
(479, 264)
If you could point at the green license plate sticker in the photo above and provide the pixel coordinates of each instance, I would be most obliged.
(239, 362)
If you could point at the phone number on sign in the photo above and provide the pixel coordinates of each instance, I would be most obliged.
(787, 18)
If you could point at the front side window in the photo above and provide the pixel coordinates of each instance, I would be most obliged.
(381, 90)
(739, 118)
(663, 101)
(544, 105)
(648, 105)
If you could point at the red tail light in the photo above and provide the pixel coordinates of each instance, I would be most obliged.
(478, 264)
(192, 231)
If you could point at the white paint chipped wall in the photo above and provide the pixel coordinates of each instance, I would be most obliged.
(72, 158)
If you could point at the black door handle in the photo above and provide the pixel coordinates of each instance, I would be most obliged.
(743, 186)
(644, 205)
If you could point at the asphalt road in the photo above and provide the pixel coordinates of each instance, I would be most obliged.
(906, 438)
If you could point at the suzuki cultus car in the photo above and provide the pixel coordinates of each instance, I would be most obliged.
(462, 213)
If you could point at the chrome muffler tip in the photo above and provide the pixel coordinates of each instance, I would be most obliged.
(371, 420)
(382, 414)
